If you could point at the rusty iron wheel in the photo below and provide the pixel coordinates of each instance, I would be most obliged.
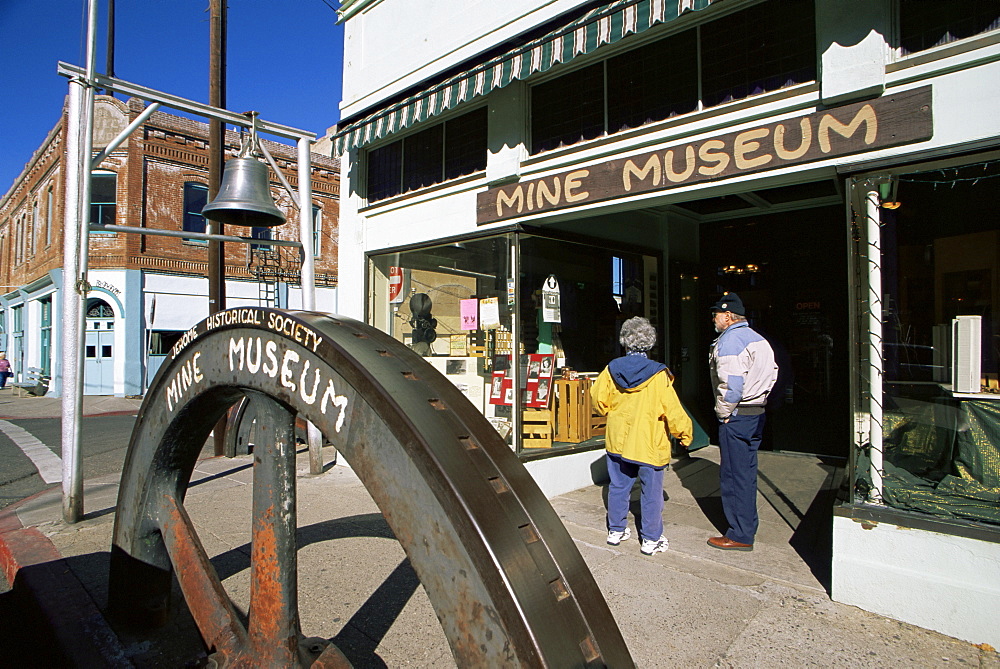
(507, 583)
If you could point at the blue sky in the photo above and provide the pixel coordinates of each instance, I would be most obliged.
(284, 61)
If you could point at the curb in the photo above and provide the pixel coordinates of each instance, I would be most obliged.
(57, 610)
(123, 412)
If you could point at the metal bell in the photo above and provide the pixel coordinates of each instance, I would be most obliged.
(244, 197)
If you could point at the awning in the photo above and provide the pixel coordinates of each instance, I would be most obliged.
(603, 25)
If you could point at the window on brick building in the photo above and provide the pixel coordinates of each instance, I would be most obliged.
(103, 199)
(34, 227)
(195, 199)
(317, 229)
(49, 201)
(260, 233)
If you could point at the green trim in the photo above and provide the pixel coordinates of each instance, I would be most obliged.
(604, 25)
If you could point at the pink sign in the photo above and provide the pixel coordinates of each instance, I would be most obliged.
(470, 314)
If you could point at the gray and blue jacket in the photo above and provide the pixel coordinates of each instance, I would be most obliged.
(743, 370)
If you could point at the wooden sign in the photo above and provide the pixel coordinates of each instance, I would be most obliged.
(899, 118)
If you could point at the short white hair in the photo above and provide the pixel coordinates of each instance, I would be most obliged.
(637, 334)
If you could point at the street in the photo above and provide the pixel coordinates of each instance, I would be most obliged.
(103, 441)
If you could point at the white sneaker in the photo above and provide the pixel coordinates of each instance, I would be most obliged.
(649, 546)
(615, 538)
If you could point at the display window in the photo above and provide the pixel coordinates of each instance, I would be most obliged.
(934, 441)
(521, 323)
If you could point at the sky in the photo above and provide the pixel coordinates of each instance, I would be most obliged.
(284, 61)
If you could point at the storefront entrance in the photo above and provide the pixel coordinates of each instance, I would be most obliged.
(790, 270)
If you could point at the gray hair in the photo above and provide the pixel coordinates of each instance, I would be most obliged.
(637, 334)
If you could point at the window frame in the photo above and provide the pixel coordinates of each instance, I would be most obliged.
(396, 151)
(188, 216)
(317, 229)
(102, 206)
(741, 10)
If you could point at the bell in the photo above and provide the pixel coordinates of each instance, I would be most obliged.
(244, 198)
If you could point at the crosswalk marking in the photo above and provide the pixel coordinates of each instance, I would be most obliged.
(49, 464)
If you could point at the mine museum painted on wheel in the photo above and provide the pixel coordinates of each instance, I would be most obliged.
(524, 176)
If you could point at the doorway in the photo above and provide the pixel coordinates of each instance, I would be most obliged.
(790, 270)
(99, 368)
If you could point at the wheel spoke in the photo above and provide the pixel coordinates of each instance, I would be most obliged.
(207, 600)
(274, 616)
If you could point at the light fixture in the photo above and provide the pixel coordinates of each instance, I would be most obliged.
(888, 192)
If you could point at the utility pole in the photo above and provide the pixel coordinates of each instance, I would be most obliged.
(216, 162)
(109, 70)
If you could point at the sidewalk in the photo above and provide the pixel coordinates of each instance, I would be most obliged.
(693, 606)
(13, 406)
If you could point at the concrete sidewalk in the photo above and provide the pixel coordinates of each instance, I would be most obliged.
(692, 606)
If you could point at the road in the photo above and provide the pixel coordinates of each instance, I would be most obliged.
(103, 442)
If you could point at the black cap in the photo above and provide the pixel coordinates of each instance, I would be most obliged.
(730, 302)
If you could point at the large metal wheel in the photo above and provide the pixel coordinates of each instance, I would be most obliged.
(505, 579)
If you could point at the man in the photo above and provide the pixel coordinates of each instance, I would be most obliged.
(638, 397)
(743, 373)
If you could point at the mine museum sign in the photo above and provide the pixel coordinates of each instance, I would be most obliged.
(892, 120)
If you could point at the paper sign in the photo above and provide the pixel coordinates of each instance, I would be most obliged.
(470, 314)
(489, 313)
(550, 300)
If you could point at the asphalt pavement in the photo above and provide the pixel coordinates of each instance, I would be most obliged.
(31, 441)
(692, 606)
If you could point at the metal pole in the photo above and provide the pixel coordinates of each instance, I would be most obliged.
(75, 284)
(216, 164)
(875, 371)
(72, 400)
(307, 279)
(183, 104)
(110, 62)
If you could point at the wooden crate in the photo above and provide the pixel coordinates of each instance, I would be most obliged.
(572, 404)
(598, 424)
(575, 417)
(536, 428)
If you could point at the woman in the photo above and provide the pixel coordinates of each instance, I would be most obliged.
(5, 370)
(637, 396)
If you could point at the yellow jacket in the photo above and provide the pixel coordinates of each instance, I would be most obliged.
(639, 418)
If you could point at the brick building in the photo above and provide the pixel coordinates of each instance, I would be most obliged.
(145, 290)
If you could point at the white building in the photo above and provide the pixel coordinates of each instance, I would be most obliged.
(830, 161)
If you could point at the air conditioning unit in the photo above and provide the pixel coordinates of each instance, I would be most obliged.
(966, 353)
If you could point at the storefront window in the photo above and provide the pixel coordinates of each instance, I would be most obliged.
(940, 404)
(460, 306)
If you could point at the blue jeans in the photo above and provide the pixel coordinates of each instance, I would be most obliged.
(623, 474)
(739, 440)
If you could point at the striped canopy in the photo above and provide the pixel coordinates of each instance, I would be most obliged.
(606, 24)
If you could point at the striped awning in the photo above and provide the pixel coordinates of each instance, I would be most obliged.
(603, 25)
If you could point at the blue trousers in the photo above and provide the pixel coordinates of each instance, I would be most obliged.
(739, 440)
(623, 474)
